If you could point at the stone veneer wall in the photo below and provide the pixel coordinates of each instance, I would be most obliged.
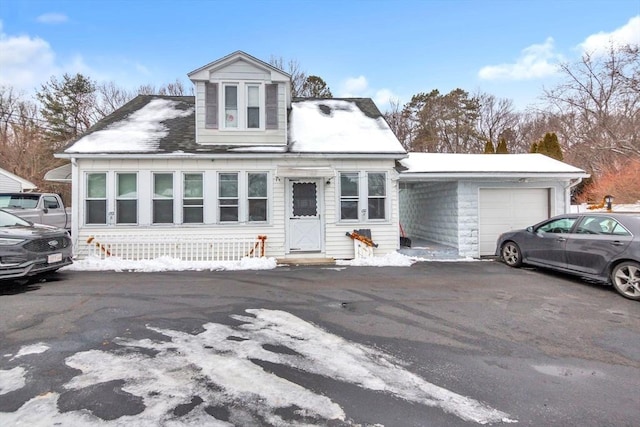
(429, 210)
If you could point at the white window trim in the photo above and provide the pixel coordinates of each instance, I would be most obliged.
(243, 101)
(363, 198)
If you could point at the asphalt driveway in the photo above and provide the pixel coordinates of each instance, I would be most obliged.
(435, 344)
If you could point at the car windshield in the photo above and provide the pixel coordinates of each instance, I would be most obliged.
(9, 220)
(25, 201)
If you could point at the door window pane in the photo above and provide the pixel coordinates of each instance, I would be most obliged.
(304, 199)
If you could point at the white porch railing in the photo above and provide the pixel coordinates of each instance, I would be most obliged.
(184, 247)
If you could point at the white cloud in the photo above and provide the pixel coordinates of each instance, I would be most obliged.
(354, 87)
(536, 61)
(52, 18)
(26, 62)
(358, 87)
(601, 42)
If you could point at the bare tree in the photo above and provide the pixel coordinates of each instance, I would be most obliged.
(399, 123)
(293, 68)
(598, 107)
(496, 119)
(110, 97)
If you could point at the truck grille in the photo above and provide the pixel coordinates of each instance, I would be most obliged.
(45, 245)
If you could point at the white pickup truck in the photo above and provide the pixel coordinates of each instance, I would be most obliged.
(39, 208)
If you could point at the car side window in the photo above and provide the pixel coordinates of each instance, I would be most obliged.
(560, 225)
(601, 225)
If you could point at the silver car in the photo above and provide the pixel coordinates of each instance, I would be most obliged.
(28, 249)
(600, 246)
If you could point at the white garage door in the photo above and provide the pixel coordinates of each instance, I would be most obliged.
(504, 209)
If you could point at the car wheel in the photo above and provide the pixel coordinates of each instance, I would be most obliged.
(511, 254)
(626, 279)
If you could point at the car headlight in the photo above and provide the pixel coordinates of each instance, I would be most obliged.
(4, 241)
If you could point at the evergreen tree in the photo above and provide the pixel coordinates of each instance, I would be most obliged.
(549, 146)
(488, 148)
(315, 87)
(68, 107)
(534, 148)
(502, 147)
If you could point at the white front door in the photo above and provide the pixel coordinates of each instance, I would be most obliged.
(304, 215)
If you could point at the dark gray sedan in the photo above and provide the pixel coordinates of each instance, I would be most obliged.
(600, 246)
(28, 249)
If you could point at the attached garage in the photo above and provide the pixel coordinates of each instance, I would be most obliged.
(466, 200)
(504, 209)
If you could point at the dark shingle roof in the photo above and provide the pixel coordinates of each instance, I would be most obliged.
(177, 133)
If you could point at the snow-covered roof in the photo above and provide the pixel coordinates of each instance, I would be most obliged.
(152, 125)
(339, 126)
(444, 165)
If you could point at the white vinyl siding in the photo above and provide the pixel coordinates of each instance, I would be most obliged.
(336, 244)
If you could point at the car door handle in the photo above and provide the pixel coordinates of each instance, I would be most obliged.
(617, 243)
(561, 239)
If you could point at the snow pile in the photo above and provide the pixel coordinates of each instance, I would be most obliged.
(12, 379)
(392, 259)
(168, 264)
(31, 349)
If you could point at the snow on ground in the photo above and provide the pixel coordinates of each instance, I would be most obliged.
(221, 368)
(12, 379)
(393, 259)
(31, 349)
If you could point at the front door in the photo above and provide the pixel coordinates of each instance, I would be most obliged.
(304, 215)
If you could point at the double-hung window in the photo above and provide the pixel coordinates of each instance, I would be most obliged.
(231, 106)
(377, 195)
(126, 198)
(96, 198)
(363, 193)
(257, 196)
(241, 105)
(253, 106)
(228, 197)
(162, 198)
(349, 195)
(193, 198)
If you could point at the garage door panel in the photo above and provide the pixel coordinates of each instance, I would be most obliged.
(504, 209)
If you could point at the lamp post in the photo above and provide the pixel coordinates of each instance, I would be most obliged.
(607, 201)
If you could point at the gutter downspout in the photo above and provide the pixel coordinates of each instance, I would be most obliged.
(567, 193)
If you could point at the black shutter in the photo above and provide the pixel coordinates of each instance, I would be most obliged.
(272, 106)
(211, 105)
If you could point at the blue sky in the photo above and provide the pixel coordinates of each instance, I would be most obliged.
(379, 49)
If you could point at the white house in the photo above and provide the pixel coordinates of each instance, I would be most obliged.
(467, 200)
(10, 182)
(238, 165)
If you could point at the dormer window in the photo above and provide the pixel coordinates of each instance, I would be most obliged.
(245, 106)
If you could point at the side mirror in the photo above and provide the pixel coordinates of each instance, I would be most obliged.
(530, 229)
(45, 210)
